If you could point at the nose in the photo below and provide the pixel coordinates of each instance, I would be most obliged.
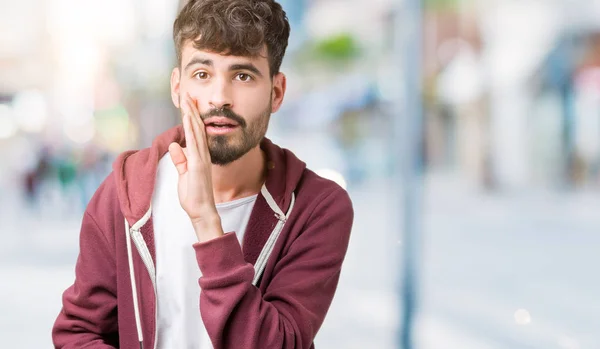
(220, 96)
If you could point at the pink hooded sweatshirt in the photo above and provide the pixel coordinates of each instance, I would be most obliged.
(272, 292)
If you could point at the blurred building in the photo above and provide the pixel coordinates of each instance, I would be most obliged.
(504, 83)
(86, 72)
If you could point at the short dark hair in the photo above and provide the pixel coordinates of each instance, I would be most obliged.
(234, 27)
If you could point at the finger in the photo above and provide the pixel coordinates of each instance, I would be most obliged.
(203, 141)
(195, 116)
(190, 140)
(178, 157)
(198, 127)
(193, 106)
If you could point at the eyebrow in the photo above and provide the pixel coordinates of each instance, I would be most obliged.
(241, 66)
(198, 60)
(248, 66)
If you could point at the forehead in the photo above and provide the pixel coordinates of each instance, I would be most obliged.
(188, 52)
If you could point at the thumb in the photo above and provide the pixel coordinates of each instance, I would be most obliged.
(178, 157)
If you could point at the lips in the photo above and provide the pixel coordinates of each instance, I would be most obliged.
(220, 122)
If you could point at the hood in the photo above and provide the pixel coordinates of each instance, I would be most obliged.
(135, 173)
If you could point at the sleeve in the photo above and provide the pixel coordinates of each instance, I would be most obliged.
(88, 318)
(291, 310)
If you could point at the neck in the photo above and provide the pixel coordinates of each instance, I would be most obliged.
(241, 178)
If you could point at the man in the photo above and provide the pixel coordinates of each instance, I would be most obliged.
(213, 236)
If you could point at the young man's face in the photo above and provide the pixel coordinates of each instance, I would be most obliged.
(235, 97)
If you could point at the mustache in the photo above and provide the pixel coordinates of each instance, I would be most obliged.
(224, 112)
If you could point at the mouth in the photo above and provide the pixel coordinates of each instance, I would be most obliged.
(220, 125)
(220, 122)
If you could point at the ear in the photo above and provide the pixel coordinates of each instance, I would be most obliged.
(175, 86)
(279, 86)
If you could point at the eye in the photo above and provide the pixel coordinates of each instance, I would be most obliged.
(201, 75)
(243, 77)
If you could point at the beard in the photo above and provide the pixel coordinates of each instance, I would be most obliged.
(225, 149)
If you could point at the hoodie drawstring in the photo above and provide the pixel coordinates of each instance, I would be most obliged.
(136, 306)
(261, 261)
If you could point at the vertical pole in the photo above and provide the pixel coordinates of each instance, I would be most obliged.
(568, 139)
(408, 133)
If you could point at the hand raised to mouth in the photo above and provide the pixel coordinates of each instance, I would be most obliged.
(194, 166)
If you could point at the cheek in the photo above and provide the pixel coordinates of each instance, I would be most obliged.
(253, 101)
(187, 85)
(195, 90)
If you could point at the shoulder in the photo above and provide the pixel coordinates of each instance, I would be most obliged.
(324, 214)
(322, 193)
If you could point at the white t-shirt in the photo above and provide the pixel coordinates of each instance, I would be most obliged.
(179, 322)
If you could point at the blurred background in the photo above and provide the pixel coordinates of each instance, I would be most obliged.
(467, 133)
